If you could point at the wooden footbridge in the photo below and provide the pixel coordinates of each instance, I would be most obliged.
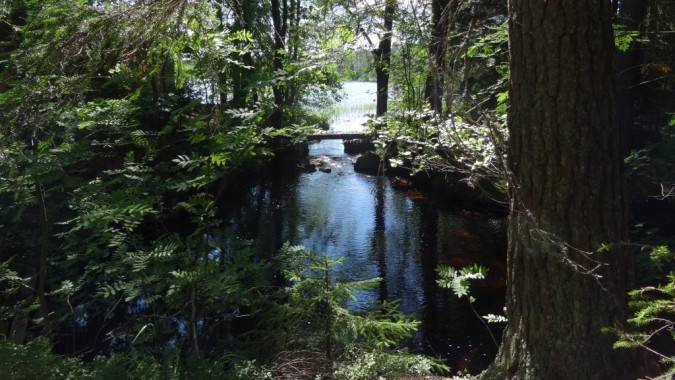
(337, 136)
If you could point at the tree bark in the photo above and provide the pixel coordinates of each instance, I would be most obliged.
(567, 198)
(382, 57)
(43, 255)
(279, 21)
(244, 18)
(437, 54)
(293, 39)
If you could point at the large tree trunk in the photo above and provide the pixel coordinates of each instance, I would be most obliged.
(567, 198)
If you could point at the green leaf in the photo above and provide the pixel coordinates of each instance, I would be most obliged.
(502, 97)
(219, 159)
(493, 318)
(623, 38)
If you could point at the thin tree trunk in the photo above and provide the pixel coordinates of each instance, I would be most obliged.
(293, 38)
(193, 319)
(44, 252)
(567, 198)
(222, 77)
(19, 326)
(279, 21)
(382, 56)
(243, 20)
(437, 54)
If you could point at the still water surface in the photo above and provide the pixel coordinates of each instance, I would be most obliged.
(386, 232)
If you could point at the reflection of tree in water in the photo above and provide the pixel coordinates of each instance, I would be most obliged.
(269, 227)
(428, 239)
(382, 233)
(379, 243)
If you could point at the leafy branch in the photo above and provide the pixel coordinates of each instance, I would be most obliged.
(459, 282)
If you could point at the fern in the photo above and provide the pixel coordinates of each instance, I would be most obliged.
(185, 162)
(494, 318)
(654, 313)
(111, 290)
(459, 280)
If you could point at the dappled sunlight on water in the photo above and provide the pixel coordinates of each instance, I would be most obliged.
(393, 233)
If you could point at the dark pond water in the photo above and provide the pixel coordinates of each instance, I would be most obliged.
(382, 231)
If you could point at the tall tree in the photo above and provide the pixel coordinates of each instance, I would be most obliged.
(244, 15)
(382, 57)
(381, 53)
(280, 23)
(286, 20)
(440, 21)
(567, 198)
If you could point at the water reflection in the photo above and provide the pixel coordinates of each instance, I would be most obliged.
(383, 232)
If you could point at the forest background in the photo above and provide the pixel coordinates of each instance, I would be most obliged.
(126, 123)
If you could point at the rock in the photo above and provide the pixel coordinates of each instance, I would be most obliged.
(323, 164)
(368, 163)
(306, 167)
(401, 182)
(358, 146)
